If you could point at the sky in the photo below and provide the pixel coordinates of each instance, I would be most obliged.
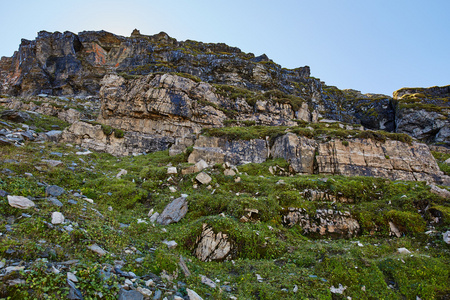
(374, 46)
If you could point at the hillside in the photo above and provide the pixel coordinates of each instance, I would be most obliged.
(143, 167)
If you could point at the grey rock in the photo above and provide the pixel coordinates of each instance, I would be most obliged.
(15, 116)
(74, 293)
(57, 218)
(208, 282)
(52, 162)
(158, 295)
(130, 295)
(20, 202)
(173, 212)
(54, 190)
(71, 201)
(97, 249)
(55, 201)
(53, 135)
(3, 193)
(170, 244)
(446, 237)
(193, 295)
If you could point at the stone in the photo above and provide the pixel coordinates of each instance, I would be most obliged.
(403, 251)
(121, 173)
(259, 278)
(15, 116)
(154, 217)
(74, 293)
(170, 244)
(229, 172)
(339, 290)
(20, 202)
(193, 295)
(172, 170)
(130, 295)
(440, 192)
(446, 237)
(97, 249)
(57, 218)
(200, 165)
(145, 292)
(54, 190)
(53, 135)
(72, 277)
(207, 281)
(55, 201)
(212, 246)
(173, 212)
(203, 178)
(3, 193)
(394, 230)
(52, 162)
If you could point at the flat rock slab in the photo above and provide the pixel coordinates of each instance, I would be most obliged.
(173, 212)
(20, 202)
(97, 249)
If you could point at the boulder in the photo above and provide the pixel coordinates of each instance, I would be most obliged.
(173, 212)
(193, 295)
(20, 202)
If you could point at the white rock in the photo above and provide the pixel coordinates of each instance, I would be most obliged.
(338, 290)
(20, 202)
(128, 282)
(150, 282)
(447, 161)
(172, 189)
(144, 291)
(295, 290)
(72, 277)
(154, 217)
(97, 249)
(121, 173)
(203, 178)
(177, 298)
(172, 170)
(259, 278)
(171, 244)
(150, 213)
(193, 295)
(403, 251)
(229, 172)
(200, 165)
(83, 152)
(57, 218)
(89, 200)
(141, 221)
(446, 237)
(208, 281)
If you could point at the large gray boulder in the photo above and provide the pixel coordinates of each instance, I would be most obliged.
(173, 212)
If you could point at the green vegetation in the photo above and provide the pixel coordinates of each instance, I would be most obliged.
(283, 256)
(108, 130)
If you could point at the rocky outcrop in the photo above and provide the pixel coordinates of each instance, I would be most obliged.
(219, 150)
(423, 113)
(212, 246)
(67, 63)
(323, 222)
(92, 137)
(356, 157)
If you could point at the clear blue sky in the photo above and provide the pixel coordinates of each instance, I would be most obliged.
(375, 46)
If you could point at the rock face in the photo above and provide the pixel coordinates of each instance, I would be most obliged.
(324, 222)
(358, 157)
(67, 63)
(423, 113)
(92, 137)
(212, 246)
